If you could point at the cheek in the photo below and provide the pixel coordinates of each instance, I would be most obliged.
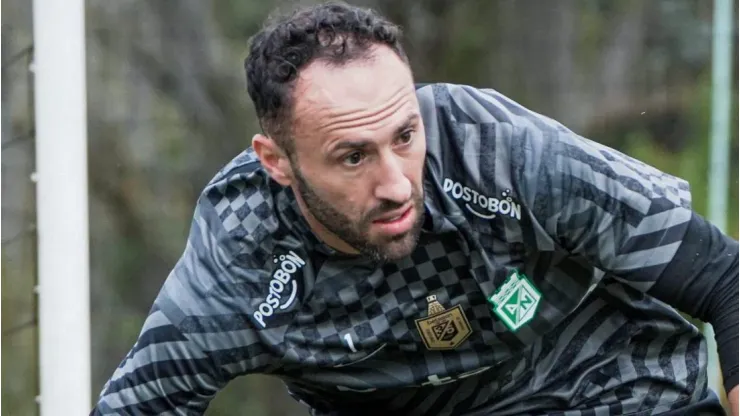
(343, 195)
(355, 200)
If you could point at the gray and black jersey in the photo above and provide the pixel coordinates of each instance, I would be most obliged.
(530, 290)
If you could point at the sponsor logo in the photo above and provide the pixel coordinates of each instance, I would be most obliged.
(283, 287)
(483, 206)
(516, 301)
(443, 329)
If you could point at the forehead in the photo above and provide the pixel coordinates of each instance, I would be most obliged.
(359, 90)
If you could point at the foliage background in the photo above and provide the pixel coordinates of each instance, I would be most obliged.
(168, 106)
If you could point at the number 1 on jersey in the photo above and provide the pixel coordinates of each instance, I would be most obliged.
(350, 343)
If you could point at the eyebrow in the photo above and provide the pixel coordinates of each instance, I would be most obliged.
(407, 123)
(360, 144)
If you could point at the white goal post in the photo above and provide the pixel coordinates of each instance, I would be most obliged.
(62, 207)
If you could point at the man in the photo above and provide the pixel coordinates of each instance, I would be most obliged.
(432, 250)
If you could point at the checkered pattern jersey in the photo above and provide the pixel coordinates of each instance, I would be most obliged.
(506, 190)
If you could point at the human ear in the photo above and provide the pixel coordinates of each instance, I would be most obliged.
(273, 159)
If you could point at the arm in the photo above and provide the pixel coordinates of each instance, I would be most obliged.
(196, 337)
(636, 223)
(625, 217)
(702, 281)
(164, 372)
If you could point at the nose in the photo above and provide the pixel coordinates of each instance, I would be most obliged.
(392, 183)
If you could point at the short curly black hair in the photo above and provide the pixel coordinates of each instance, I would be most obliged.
(335, 32)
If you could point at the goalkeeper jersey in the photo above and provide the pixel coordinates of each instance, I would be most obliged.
(527, 292)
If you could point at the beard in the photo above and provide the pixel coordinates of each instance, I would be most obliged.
(356, 233)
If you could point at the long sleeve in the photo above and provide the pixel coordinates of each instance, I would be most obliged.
(164, 373)
(197, 336)
(702, 281)
(626, 218)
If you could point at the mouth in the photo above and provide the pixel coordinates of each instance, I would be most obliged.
(393, 216)
(397, 221)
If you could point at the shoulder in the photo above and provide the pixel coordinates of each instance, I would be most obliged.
(244, 211)
(484, 147)
(244, 266)
(242, 224)
(467, 104)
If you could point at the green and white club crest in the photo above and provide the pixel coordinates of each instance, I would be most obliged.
(516, 301)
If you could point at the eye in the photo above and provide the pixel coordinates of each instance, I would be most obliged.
(405, 137)
(354, 158)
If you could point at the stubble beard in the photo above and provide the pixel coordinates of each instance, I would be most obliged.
(356, 233)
